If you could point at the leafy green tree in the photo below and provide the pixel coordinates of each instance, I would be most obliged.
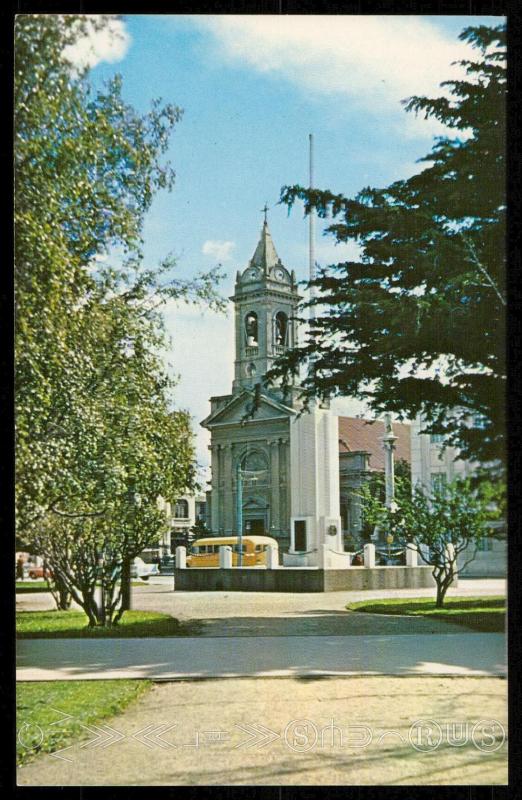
(441, 525)
(417, 323)
(376, 487)
(97, 437)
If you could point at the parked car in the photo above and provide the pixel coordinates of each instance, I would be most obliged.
(39, 572)
(140, 569)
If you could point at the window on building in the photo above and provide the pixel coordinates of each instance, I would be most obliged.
(251, 329)
(254, 461)
(281, 329)
(438, 481)
(436, 438)
(300, 535)
(480, 422)
(181, 509)
(484, 544)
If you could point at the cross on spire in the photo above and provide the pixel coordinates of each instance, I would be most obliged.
(264, 211)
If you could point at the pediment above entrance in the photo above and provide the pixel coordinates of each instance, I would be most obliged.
(255, 504)
(236, 410)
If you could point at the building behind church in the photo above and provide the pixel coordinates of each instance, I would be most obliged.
(432, 466)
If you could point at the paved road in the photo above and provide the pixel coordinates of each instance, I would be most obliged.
(269, 656)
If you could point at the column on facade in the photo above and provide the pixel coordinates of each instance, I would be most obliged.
(275, 481)
(284, 487)
(214, 462)
(229, 515)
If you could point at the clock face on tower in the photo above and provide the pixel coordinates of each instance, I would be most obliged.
(252, 274)
(279, 275)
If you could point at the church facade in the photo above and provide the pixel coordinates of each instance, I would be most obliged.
(286, 467)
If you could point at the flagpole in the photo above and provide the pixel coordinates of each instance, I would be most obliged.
(311, 231)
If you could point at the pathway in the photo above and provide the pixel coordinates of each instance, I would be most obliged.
(289, 731)
(193, 657)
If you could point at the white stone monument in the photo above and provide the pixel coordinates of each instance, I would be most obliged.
(314, 478)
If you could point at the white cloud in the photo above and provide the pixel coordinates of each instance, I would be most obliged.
(376, 61)
(218, 249)
(109, 44)
(202, 354)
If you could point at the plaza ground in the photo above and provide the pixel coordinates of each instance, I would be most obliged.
(171, 735)
(281, 613)
(278, 731)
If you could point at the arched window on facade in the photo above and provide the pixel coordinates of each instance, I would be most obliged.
(281, 329)
(251, 329)
(254, 468)
(254, 461)
(181, 509)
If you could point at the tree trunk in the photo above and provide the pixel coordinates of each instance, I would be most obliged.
(439, 602)
(64, 598)
(126, 584)
(443, 584)
(59, 591)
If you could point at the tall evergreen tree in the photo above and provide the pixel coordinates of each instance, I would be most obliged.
(417, 323)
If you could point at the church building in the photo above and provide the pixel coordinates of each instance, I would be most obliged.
(287, 467)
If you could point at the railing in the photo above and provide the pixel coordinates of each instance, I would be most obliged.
(251, 351)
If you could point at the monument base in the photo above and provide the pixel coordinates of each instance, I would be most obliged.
(301, 579)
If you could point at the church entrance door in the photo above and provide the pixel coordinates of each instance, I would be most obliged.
(256, 527)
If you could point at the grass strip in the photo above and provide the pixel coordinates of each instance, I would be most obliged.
(50, 714)
(485, 614)
(73, 625)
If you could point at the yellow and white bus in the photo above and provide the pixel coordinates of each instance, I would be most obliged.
(205, 552)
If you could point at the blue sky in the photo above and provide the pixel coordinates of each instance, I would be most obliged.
(252, 89)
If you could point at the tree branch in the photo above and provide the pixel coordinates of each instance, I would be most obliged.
(475, 259)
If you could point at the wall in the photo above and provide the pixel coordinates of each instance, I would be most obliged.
(301, 580)
(490, 563)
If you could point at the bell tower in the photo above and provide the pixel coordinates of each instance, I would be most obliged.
(265, 300)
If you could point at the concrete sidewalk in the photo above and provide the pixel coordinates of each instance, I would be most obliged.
(470, 654)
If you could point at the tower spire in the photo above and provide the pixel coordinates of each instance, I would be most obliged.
(265, 255)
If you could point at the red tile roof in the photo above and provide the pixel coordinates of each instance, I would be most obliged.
(359, 434)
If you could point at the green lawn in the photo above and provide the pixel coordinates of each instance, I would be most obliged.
(73, 625)
(38, 707)
(485, 614)
(38, 585)
(23, 587)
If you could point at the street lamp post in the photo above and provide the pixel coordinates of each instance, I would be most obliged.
(388, 442)
(239, 514)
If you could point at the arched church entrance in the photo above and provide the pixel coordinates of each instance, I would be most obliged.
(256, 514)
